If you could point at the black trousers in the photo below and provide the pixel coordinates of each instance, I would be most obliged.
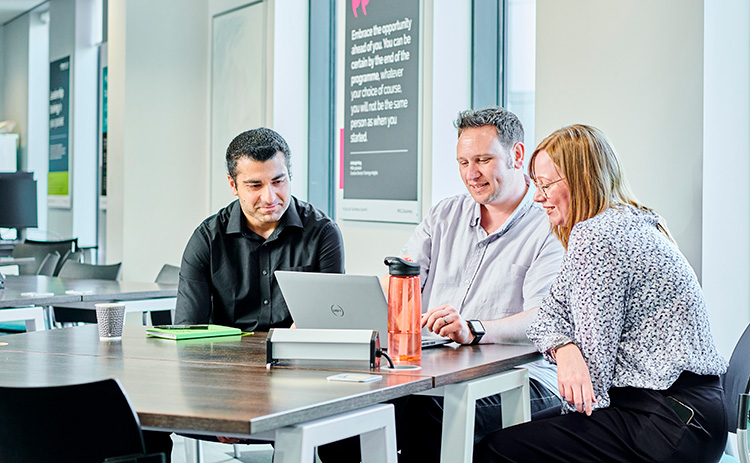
(640, 425)
(419, 425)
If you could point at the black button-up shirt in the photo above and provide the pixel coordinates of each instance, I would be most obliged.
(227, 278)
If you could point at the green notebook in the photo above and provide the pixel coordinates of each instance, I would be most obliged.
(187, 333)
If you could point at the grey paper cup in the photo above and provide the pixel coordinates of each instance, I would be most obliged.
(110, 318)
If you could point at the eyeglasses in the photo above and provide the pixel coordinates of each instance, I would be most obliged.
(543, 188)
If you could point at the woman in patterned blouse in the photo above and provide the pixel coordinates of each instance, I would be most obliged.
(625, 321)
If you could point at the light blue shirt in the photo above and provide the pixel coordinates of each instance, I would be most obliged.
(487, 277)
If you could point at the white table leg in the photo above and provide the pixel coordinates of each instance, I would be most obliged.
(375, 425)
(459, 405)
(37, 322)
(33, 316)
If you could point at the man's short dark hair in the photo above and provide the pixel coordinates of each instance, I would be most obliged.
(509, 128)
(259, 144)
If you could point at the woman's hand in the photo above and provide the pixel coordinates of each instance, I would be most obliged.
(573, 379)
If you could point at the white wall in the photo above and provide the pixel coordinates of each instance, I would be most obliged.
(447, 90)
(74, 31)
(14, 82)
(37, 159)
(158, 131)
(84, 134)
(726, 167)
(635, 70)
(289, 84)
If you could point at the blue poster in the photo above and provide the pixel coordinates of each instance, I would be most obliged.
(103, 181)
(59, 111)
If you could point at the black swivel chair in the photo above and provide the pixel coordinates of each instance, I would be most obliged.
(39, 249)
(78, 423)
(73, 269)
(49, 264)
(736, 383)
(168, 275)
(76, 312)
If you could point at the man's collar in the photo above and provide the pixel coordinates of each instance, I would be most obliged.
(235, 218)
(290, 218)
(518, 212)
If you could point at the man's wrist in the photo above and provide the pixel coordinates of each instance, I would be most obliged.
(477, 329)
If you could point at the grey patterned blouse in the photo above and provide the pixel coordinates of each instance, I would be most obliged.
(631, 302)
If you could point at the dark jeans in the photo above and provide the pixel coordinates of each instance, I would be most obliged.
(419, 425)
(640, 425)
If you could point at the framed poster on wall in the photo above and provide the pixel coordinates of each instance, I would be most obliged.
(380, 158)
(58, 180)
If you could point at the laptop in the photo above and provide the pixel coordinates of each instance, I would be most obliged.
(340, 301)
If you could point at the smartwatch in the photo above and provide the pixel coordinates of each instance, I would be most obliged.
(477, 329)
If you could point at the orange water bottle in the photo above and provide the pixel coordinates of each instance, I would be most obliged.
(404, 311)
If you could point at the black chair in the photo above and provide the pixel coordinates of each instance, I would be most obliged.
(39, 249)
(736, 383)
(49, 264)
(77, 423)
(72, 269)
(168, 275)
(82, 311)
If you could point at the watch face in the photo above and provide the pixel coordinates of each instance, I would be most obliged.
(476, 326)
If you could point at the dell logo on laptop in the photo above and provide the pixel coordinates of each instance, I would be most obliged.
(337, 310)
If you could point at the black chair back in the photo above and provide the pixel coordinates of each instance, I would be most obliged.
(77, 423)
(39, 250)
(49, 264)
(72, 269)
(737, 378)
(168, 275)
(65, 245)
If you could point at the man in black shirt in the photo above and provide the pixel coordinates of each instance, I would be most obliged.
(226, 276)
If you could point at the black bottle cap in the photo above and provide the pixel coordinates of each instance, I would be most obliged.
(399, 266)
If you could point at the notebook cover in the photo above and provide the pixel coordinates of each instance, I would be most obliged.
(212, 331)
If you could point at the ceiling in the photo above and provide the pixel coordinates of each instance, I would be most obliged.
(10, 9)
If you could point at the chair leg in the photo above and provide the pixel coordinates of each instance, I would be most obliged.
(193, 450)
(742, 419)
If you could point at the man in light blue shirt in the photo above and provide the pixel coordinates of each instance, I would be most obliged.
(488, 259)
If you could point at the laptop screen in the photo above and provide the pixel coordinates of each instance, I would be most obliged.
(333, 300)
(339, 301)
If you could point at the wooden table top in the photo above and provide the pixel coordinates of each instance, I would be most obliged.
(221, 386)
(100, 290)
(209, 398)
(445, 364)
(16, 286)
